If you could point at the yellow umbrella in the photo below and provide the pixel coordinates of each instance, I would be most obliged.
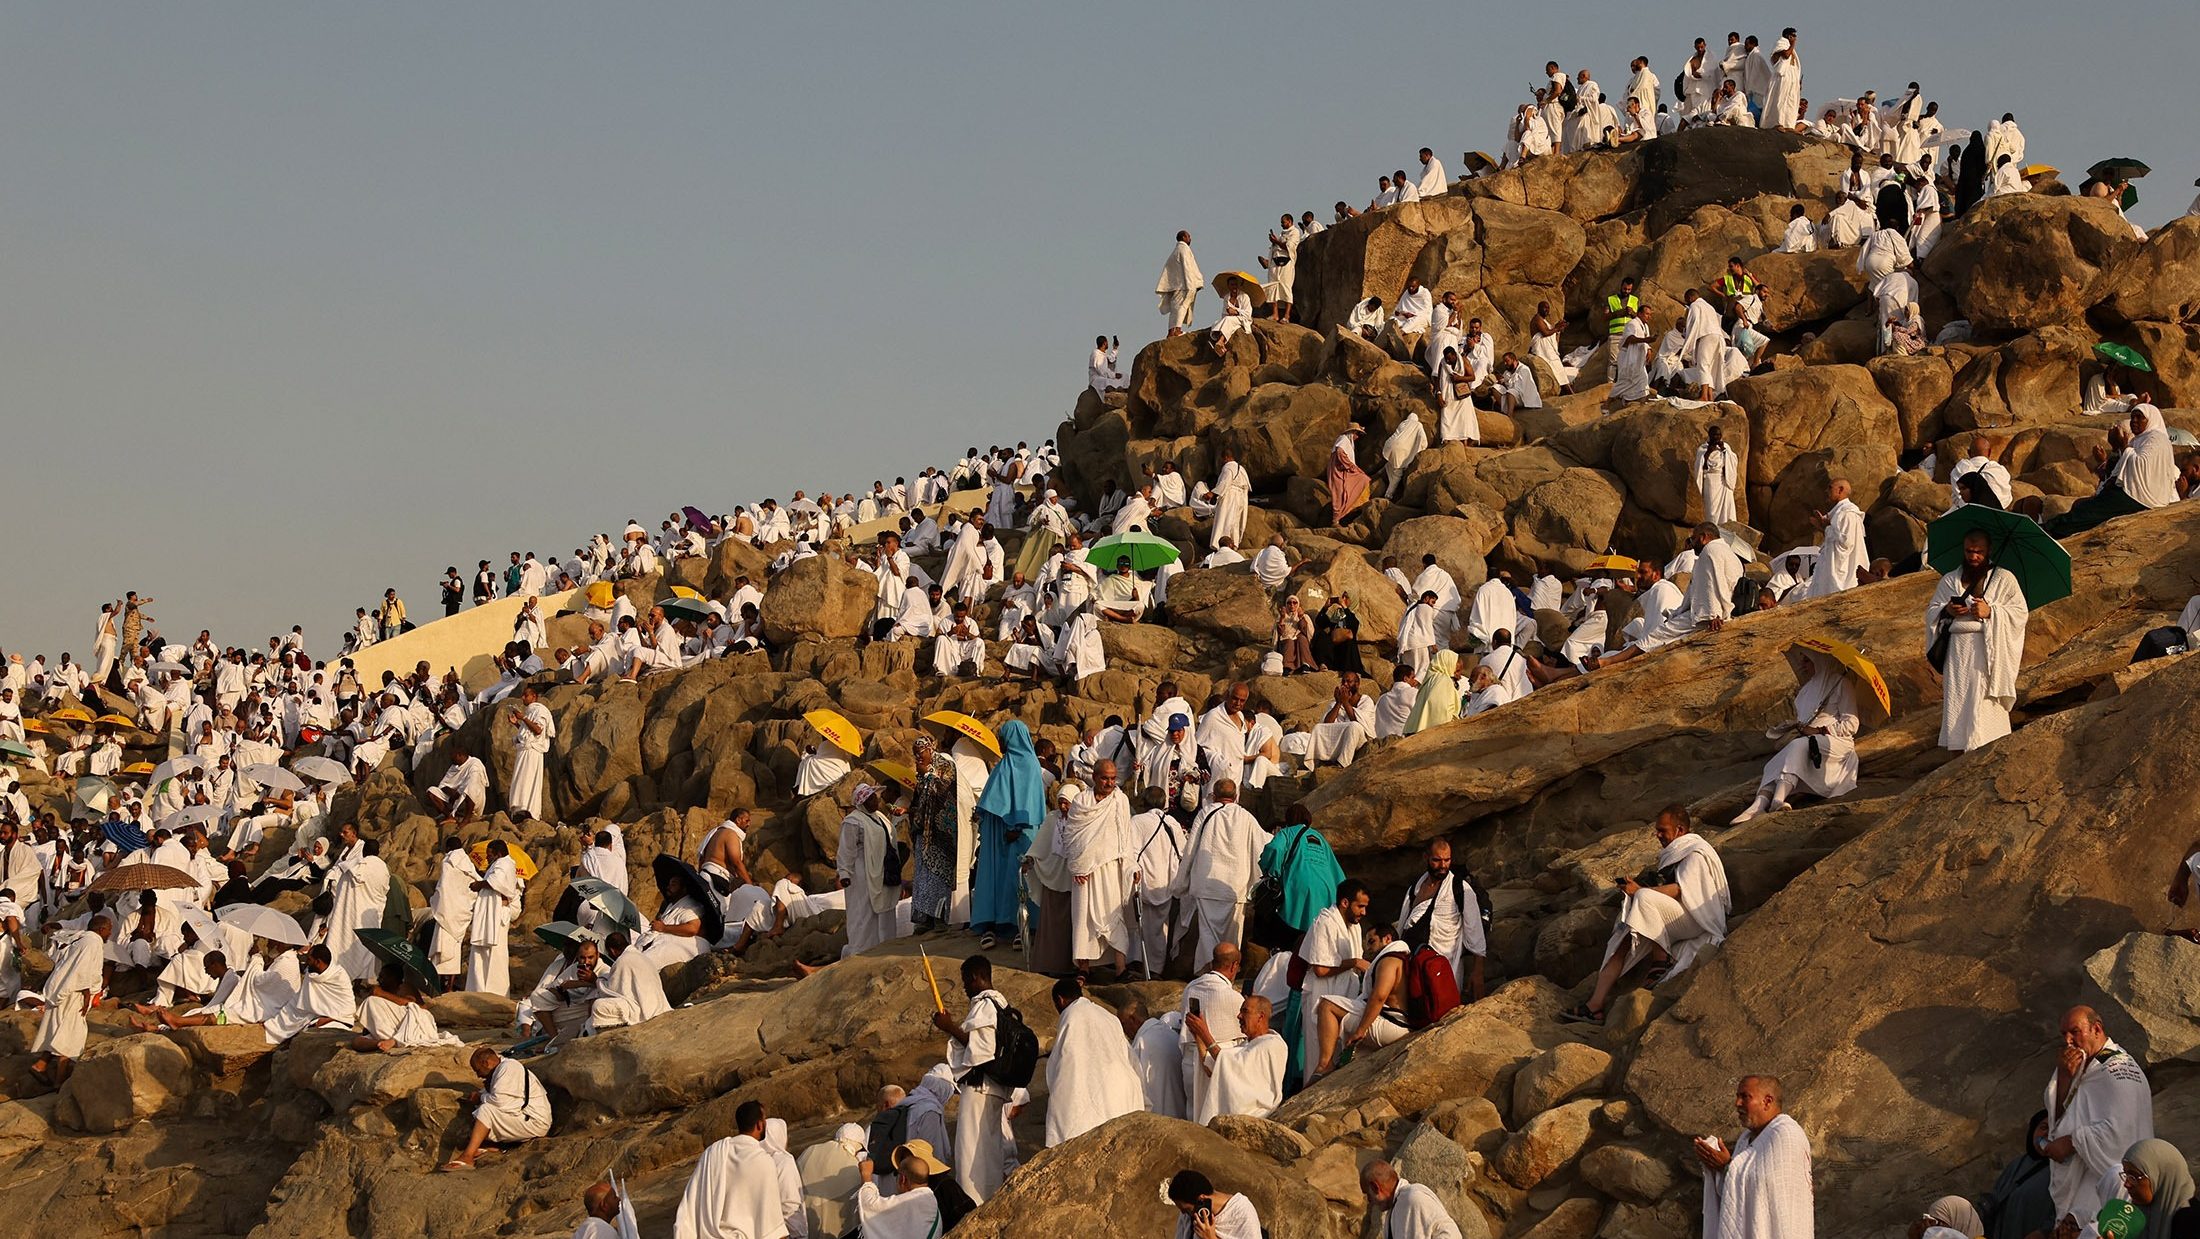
(1477, 160)
(682, 591)
(34, 725)
(897, 771)
(1853, 659)
(114, 720)
(2039, 169)
(139, 768)
(600, 594)
(520, 859)
(71, 714)
(1611, 563)
(1252, 286)
(837, 730)
(964, 725)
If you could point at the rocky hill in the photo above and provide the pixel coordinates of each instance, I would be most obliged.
(1899, 957)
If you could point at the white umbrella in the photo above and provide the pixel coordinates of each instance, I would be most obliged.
(262, 922)
(172, 767)
(196, 815)
(274, 778)
(1806, 553)
(321, 769)
(167, 667)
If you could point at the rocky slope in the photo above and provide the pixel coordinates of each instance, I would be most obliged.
(1899, 957)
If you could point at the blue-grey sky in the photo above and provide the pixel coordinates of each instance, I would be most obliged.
(301, 301)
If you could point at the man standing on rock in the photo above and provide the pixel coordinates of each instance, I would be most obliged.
(1620, 309)
(533, 729)
(1233, 487)
(970, 1050)
(1843, 551)
(1220, 864)
(1410, 1210)
(69, 992)
(1760, 1188)
(452, 910)
(2098, 1106)
(496, 902)
(734, 1190)
(1179, 285)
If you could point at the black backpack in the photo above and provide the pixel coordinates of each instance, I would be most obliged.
(1415, 934)
(889, 1131)
(1015, 1050)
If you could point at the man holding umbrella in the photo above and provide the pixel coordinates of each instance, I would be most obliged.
(1974, 636)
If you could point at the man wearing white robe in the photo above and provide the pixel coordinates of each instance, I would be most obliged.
(1222, 861)
(1718, 470)
(1090, 1078)
(464, 789)
(1214, 997)
(1410, 1210)
(360, 883)
(1240, 743)
(1094, 840)
(1433, 182)
(1332, 951)
(1981, 461)
(451, 907)
(1984, 611)
(1159, 843)
(1759, 1188)
(980, 1099)
(1272, 565)
(1344, 727)
(1401, 449)
(533, 729)
(1417, 633)
(1157, 1055)
(1843, 552)
(2098, 1105)
(734, 1192)
(913, 1210)
(1433, 578)
(323, 997)
(1441, 911)
(1233, 487)
(496, 902)
(1179, 285)
(78, 961)
(1244, 1074)
(1709, 603)
(1494, 608)
(1704, 345)
(1672, 919)
(630, 992)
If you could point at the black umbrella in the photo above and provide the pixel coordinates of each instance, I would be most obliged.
(668, 866)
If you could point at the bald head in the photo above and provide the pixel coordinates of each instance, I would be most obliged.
(1379, 1183)
(602, 1201)
(1839, 489)
(1225, 960)
(1979, 445)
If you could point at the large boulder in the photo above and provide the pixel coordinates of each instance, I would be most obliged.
(1229, 603)
(2020, 261)
(1872, 982)
(1371, 255)
(2161, 280)
(1804, 409)
(1459, 544)
(1568, 520)
(1547, 1143)
(118, 1082)
(2152, 981)
(1107, 1184)
(1526, 245)
(1279, 432)
(1801, 289)
(1654, 450)
(1802, 488)
(1556, 1075)
(820, 598)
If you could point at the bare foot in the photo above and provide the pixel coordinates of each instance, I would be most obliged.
(803, 970)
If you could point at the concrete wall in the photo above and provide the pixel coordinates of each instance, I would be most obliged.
(467, 641)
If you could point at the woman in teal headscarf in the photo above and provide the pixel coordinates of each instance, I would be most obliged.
(1008, 813)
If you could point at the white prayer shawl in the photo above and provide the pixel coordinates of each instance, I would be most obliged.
(361, 887)
(1157, 1056)
(1090, 1078)
(1248, 1077)
(1996, 475)
(1684, 927)
(1223, 857)
(913, 1214)
(1327, 943)
(1716, 474)
(1179, 274)
(1979, 683)
(452, 909)
(1843, 552)
(2108, 1109)
(1271, 567)
(630, 992)
(1494, 608)
(488, 962)
(407, 1023)
(1454, 920)
(2147, 470)
(321, 995)
(1827, 700)
(1765, 1191)
(1412, 313)
(819, 771)
(1404, 445)
(1710, 594)
(78, 956)
(1416, 1212)
(1393, 708)
(1433, 181)
(733, 1194)
(1095, 841)
(1800, 237)
(1704, 343)
(1232, 487)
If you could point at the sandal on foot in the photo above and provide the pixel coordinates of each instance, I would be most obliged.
(1580, 1015)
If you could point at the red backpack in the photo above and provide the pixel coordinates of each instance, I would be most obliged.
(1431, 990)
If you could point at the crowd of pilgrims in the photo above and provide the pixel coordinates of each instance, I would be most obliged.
(1130, 855)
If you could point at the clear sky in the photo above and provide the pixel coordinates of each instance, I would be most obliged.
(301, 301)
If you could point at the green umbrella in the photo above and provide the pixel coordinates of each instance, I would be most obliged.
(685, 609)
(564, 935)
(2040, 564)
(1145, 551)
(16, 748)
(2123, 355)
(392, 948)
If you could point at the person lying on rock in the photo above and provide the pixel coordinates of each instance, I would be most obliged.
(1666, 916)
(510, 1107)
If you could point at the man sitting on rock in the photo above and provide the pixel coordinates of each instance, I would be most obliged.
(510, 1107)
(960, 650)
(1348, 724)
(1671, 917)
(1122, 597)
(1410, 1210)
(1710, 601)
(393, 1017)
(631, 991)
(1245, 1074)
(463, 790)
